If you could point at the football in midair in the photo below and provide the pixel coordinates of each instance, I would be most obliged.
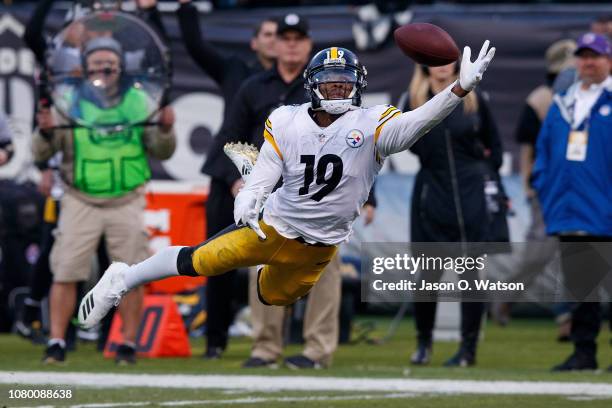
(426, 44)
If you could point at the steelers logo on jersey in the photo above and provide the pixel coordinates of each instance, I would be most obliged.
(354, 138)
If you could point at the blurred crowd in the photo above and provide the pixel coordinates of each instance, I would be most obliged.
(102, 119)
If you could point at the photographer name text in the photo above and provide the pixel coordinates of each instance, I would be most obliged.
(461, 285)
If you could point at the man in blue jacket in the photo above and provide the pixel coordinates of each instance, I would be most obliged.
(573, 178)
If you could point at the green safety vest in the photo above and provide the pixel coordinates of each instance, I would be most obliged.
(111, 165)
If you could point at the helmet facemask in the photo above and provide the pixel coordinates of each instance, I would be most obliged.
(335, 89)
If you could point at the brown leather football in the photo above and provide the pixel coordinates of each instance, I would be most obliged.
(426, 44)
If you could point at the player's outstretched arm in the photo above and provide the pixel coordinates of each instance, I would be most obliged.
(263, 178)
(404, 130)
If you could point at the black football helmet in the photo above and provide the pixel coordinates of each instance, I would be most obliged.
(335, 65)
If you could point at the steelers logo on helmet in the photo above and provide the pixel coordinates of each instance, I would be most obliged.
(108, 70)
(334, 79)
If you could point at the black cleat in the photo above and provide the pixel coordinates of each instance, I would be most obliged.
(126, 355)
(54, 354)
(422, 355)
(256, 362)
(213, 353)
(301, 362)
(577, 362)
(461, 359)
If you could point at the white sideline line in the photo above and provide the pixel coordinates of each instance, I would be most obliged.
(301, 383)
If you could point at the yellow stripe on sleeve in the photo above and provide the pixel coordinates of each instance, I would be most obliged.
(268, 126)
(380, 127)
(270, 139)
(385, 113)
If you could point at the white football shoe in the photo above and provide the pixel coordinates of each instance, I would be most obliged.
(107, 293)
(243, 156)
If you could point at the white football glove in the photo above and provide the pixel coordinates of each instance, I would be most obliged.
(246, 210)
(470, 73)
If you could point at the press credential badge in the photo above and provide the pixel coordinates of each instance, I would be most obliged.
(577, 145)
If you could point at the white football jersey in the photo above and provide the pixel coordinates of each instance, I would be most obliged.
(327, 172)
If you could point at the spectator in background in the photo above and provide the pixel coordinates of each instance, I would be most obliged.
(6, 141)
(454, 197)
(104, 193)
(30, 324)
(20, 211)
(229, 72)
(559, 56)
(572, 178)
(602, 26)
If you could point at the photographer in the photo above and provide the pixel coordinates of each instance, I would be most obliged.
(104, 173)
(39, 40)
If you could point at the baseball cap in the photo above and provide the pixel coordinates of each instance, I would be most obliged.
(594, 42)
(293, 22)
(103, 43)
(560, 55)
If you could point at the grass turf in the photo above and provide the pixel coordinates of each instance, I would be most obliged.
(152, 397)
(523, 351)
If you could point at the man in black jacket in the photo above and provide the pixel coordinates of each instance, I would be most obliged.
(229, 72)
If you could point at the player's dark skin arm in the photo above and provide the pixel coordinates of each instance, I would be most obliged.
(459, 91)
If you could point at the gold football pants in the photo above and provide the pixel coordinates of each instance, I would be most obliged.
(290, 268)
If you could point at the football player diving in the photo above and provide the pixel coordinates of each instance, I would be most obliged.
(328, 153)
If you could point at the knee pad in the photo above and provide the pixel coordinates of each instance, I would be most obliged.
(259, 296)
(184, 262)
(278, 296)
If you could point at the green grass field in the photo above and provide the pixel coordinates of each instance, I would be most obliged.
(207, 398)
(524, 351)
